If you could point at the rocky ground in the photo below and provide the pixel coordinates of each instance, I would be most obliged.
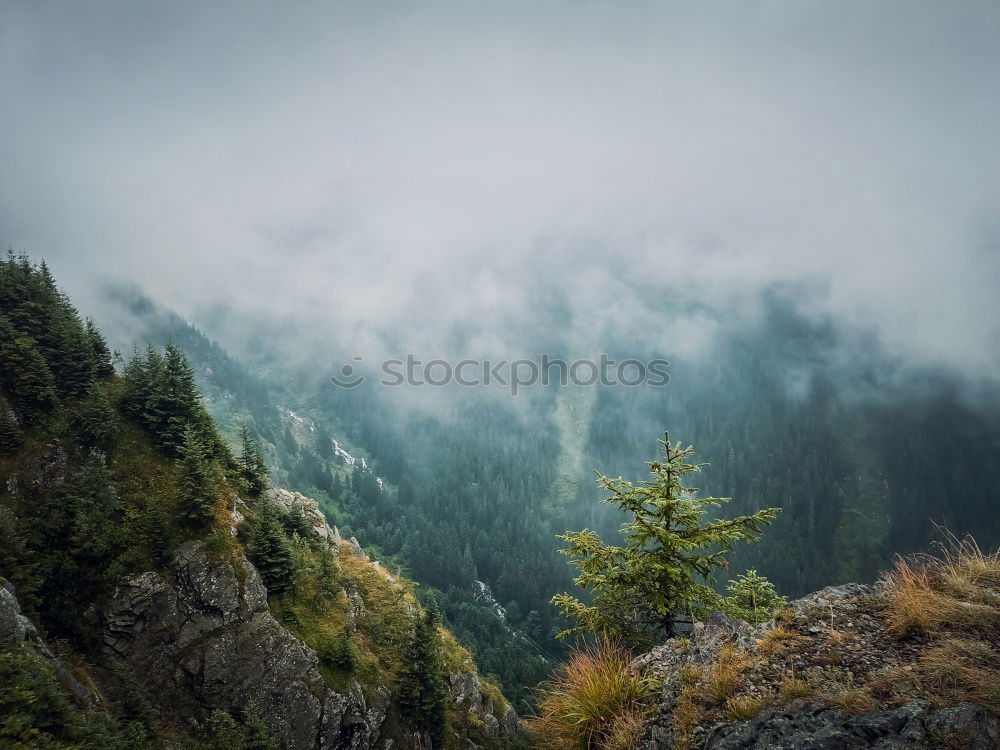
(827, 672)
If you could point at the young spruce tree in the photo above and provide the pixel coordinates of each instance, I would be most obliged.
(270, 550)
(198, 501)
(422, 692)
(251, 466)
(668, 560)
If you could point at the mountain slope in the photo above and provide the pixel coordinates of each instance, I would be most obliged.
(172, 604)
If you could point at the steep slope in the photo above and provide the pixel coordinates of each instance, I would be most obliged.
(204, 638)
(153, 596)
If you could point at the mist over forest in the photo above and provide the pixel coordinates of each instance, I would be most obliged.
(795, 206)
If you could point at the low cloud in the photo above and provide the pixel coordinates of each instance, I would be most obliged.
(376, 174)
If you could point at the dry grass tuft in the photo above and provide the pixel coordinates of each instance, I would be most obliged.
(792, 688)
(777, 638)
(595, 702)
(957, 591)
(849, 699)
(960, 669)
(682, 645)
(745, 707)
(726, 674)
(836, 637)
(687, 715)
(784, 616)
(688, 674)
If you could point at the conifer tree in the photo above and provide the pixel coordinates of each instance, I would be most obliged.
(136, 387)
(422, 691)
(251, 466)
(668, 561)
(198, 501)
(752, 598)
(96, 536)
(173, 401)
(24, 375)
(93, 420)
(103, 368)
(270, 550)
(255, 734)
(295, 522)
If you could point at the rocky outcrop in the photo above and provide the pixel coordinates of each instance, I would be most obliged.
(834, 649)
(200, 636)
(466, 692)
(289, 502)
(203, 638)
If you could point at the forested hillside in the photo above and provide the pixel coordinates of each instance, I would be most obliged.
(156, 591)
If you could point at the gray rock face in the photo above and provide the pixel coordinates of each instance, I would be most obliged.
(914, 725)
(207, 640)
(15, 628)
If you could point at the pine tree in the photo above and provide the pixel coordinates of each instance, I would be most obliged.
(198, 501)
(422, 691)
(255, 734)
(93, 421)
(136, 387)
(97, 534)
(24, 375)
(103, 368)
(270, 550)
(173, 401)
(668, 561)
(295, 522)
(251, 466)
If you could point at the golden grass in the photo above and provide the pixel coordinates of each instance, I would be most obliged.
(682, 645)
(777, 638)
(792, 688)
(959, 669)
(849, 699)
(687, 714)
(744, 707)
(702, 688)
(836, 637)
(726, 674)
(784, 616)
(957, 591)
(595, 702)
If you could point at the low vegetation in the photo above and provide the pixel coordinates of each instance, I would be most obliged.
(930, 631)
(957, 591)
(594, 701)
(951, 600)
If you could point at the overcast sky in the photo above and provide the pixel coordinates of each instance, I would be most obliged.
(408, 164)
